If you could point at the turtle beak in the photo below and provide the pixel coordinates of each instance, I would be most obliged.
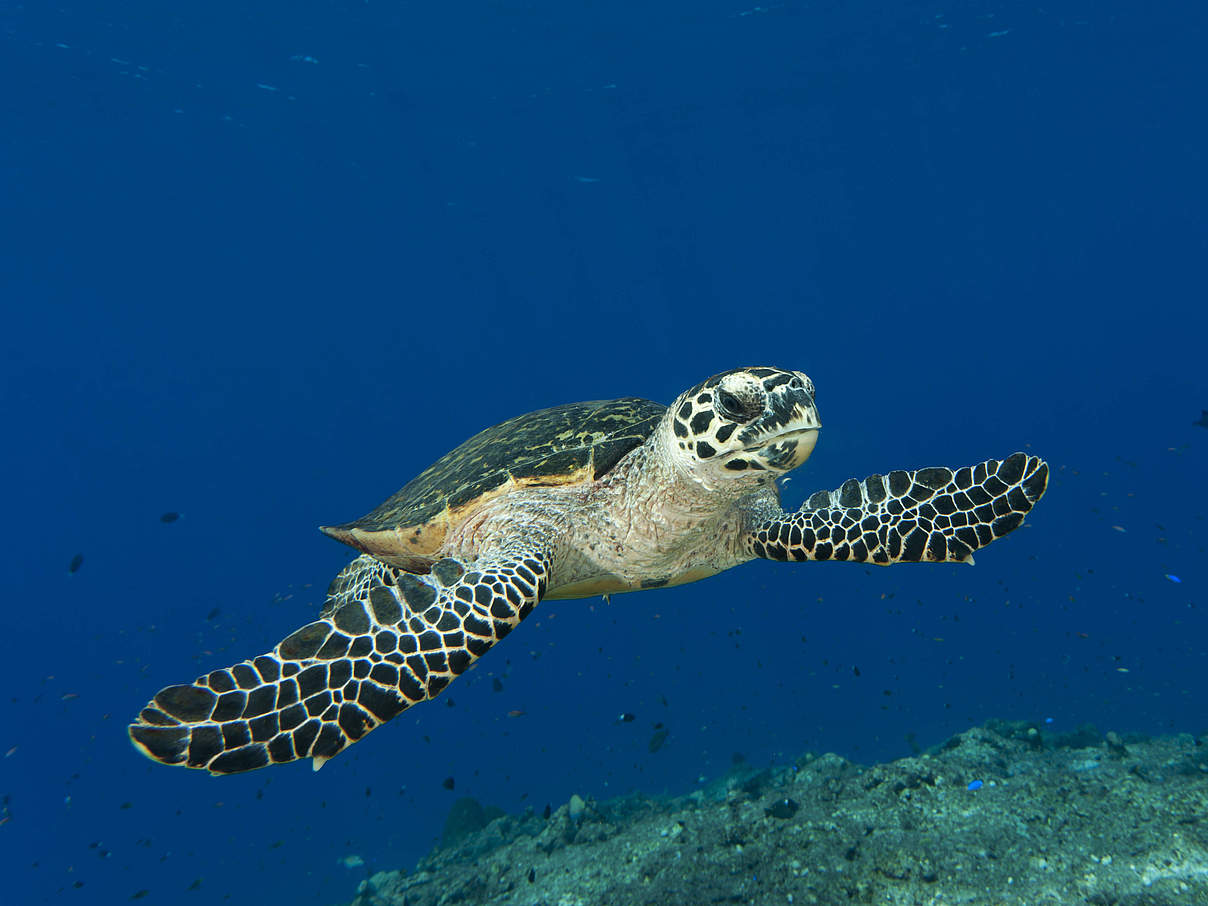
(786, 435)
(790, 449)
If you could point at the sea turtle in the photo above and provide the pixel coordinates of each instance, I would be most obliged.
(581, 499)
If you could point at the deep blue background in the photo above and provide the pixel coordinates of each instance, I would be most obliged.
(978, 228)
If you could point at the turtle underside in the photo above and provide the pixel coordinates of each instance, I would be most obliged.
(572, 444)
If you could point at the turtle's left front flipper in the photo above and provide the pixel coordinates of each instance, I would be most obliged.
(928, 515)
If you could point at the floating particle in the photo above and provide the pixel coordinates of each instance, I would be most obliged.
(196, 885)
(496, 684)
(1175, 579)
(213, 613)
(1119, 528)
(139, 894)
(974, 785)
(169, 517)
(625, 717)
(76, 562)
(516, 712)
(657, 740)
(448, 783)
(1202, 421)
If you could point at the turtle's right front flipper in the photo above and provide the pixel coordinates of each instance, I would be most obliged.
(387, 640)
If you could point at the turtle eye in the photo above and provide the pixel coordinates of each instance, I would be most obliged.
(730, 406)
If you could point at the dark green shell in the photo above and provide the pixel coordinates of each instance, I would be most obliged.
(565, 445)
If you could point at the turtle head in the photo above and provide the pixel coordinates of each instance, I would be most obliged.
(744, 426)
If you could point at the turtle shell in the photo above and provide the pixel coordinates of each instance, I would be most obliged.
(564, 445)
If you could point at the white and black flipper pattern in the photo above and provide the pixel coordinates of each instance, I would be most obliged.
(927, 515)
(386, 640)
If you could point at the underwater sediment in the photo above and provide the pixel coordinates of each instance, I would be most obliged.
(1001, 815)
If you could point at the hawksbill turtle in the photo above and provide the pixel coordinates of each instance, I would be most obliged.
(583, 499)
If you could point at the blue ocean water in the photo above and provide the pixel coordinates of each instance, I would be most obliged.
(261, 264)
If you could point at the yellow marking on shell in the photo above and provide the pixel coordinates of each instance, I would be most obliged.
(401, 545)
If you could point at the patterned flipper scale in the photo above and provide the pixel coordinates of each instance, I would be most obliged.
(928, 515)
(386, 640)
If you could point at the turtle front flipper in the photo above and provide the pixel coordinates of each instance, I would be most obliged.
(386, 640)
(929, 515)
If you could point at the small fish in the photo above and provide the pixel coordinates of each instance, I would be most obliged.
(1175, 579)
(68, 696)
(352, 861)
(657, 740)
(169, 517)
(496, 685)
(975, 785)
(76, 562)
(139, 894)
(625, 717)
(213, 613)
(448, 783)
(196, 885)
(1202, 421)
(516, 712)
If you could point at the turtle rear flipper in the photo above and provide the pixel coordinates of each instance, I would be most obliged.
(934, 515)
(386, 640)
